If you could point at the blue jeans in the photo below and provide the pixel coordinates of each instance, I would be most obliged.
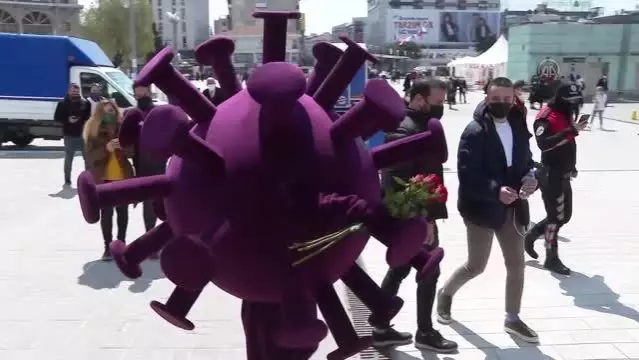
(72, 144)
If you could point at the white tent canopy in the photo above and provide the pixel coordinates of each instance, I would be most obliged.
(497, 54)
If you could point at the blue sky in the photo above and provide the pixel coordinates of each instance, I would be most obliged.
(323, 14)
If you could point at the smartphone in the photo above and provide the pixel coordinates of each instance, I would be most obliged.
(584, 118)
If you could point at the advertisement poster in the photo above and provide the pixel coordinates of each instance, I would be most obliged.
(427, 26)
(468, 26)
(418, 26)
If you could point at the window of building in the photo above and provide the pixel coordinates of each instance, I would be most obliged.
(461, 4)
(183, 14)
(173, 3)
(184, 42)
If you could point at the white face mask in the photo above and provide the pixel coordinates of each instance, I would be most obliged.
(212, 89)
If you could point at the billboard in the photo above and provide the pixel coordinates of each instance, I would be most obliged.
(429, 26)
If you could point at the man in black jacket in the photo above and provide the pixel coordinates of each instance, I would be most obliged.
(426, 99)
(72, 112)
(495, 170)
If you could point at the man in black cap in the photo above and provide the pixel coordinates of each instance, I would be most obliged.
(555, 132)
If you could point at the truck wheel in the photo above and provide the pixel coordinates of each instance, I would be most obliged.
(22, 141)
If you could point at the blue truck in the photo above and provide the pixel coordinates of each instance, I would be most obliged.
(36, 71)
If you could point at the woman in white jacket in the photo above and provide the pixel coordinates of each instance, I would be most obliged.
(599, 105)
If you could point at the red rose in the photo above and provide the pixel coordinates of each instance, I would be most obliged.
(431, 181)
(440, 193)
(417, 179)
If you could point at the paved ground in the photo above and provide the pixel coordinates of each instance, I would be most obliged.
(58, 303)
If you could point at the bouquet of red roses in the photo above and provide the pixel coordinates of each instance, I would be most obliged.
(408, 203)
(415, 196)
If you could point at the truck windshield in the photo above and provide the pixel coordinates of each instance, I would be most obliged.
(122, 80)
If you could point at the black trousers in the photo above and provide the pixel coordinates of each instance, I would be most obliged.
(106, 223)
(148, 214)
(426, 290)
(556, 191)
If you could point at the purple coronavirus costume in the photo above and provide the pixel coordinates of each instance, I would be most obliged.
(269, 168)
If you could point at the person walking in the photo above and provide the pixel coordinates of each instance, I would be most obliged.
(495, 170)
(95, 96)
(213, 92)
(598, 107)
(72, 112)
(144, 165)
(555, 132)
(426, 99)
(107, 162)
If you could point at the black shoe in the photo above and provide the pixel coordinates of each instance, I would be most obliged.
(444, 303)
(390, 337)
(106, 255)
(434, 341)
(555, 265)
(529, 242)
(521, 330)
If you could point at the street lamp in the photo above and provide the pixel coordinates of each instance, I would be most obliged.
(174, 18)
(133, 38)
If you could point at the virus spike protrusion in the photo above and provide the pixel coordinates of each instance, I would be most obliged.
(341, 75)
(177, 307)
(348, 342)
(130, 128)
(275, 28)
(128, 258)
(188, 263)
(384, 307)
(290, 81)
(403, 237)
(326, 55)
(380, 109)
(95, 197)
(300, 328)
(425, 144)
(166, 132)
(160, 72)
(217, 53)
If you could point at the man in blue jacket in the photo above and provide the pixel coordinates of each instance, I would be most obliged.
(495, 170)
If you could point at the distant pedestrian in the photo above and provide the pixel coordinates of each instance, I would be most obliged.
(95, 96)
(72, 112)
(599, 106)
(107, 162)
(213, 92)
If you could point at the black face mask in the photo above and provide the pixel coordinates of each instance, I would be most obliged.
(436, 111)
(499, 109)
(145, 103)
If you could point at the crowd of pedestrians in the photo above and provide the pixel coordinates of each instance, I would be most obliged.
(497, 174)
(91, 127)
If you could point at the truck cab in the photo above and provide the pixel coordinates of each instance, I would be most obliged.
(37, 76)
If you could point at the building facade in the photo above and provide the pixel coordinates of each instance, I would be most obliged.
(248, 32)
(241, 11)
(354, 30)
(440, 24)
(587, 49)
(188, 28)
(52, 17)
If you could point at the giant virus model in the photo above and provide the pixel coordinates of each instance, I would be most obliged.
(250, 184)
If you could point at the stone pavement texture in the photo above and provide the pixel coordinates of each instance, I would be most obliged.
(57, 302)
